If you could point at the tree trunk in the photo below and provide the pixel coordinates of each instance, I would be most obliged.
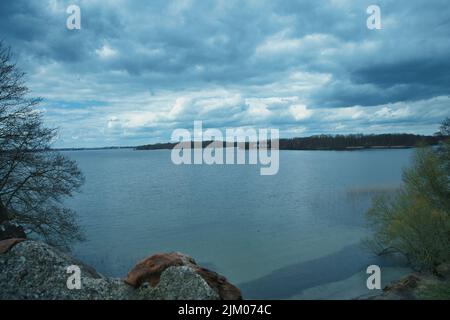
(3, 213)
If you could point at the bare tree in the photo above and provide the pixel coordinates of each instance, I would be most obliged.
(33, 178)
(444, 129)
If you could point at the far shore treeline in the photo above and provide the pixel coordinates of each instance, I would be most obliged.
(332, 142)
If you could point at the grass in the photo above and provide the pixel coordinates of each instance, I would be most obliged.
(436, 291)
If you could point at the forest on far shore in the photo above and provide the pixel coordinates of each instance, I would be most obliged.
(333, 142)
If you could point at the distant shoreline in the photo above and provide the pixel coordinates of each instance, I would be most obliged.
(156, 149)
(323, 142)
(93, 148)
(320, 143)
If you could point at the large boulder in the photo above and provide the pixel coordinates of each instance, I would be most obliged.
(150, 271)
(7, 244)
(34, 270)
(178, 283)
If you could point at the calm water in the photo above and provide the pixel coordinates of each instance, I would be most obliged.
(295, 235)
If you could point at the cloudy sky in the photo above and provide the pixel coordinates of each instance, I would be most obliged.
(139, 69)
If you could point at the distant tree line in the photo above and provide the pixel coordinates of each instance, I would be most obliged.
(333, 142)
(342, 142)
(168, 145)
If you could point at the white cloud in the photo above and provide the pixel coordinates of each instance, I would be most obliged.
(283, 43)
(389, 113)
(300, 112)
(106, 52)
(252, 63)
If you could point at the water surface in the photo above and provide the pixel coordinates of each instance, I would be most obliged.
(295, 235)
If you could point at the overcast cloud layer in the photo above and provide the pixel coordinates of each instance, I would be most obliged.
(138, 69)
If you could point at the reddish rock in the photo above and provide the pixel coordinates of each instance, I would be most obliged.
(7, 244)
(220, 284)
(150, 270)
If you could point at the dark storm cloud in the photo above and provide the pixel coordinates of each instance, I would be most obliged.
(160, 64)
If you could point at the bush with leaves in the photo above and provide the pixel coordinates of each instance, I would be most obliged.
(415, 221)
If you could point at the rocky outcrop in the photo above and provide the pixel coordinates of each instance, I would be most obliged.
(7, 244)
(150, 270)
(177, 283)
(34, 270)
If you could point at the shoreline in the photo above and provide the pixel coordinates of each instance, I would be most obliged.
(417, 286)
(280, 149)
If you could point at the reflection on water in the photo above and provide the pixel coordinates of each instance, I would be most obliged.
(291, 280)
(281, 236)
(356, 194)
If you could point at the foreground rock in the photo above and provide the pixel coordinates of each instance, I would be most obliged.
(150, 271)
(7, 244)
(34, 270)
(177, 283)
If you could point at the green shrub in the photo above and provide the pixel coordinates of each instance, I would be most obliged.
(436, 291)
(415, 221)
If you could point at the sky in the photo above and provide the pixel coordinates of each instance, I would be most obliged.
(137, 70)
